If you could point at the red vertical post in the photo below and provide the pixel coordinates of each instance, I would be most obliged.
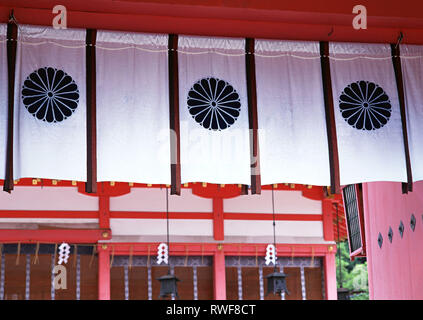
(252, 116)
(91, 185)
(219, 275)
(175, 164)
(330, 118)
(104, 211)
(12, 38)
(327, 213)
(330, 275)
(103, 272)
(218, 222)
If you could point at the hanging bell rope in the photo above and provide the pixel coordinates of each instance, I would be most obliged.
(167, 223)
(113, 256)
(256, 256)
(274, 223)
(18, 254)
(239, 255)
(202, 254)
(92, 256)
(148, 255)
(75, 254)
(186, 256)
(37, 249)
(55, 251)
(130, 256)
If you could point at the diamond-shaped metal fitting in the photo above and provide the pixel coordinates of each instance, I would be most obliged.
(390, 234)
(413, 222)
(401, 229)
(380, 240)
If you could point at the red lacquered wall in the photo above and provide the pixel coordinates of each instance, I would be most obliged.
(396, 269)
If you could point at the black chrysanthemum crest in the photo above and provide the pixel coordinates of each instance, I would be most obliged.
(214, 103)
(50, 94)
(365, 106)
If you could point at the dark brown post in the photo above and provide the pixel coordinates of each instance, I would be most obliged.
(175, 164)
(91, 185)
(252, 116)
(396, 60)
(12, 38)
(330, 118)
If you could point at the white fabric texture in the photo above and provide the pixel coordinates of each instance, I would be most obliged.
(367, 114)
(291, 113)
(50, 107)
(412, 68)
(3, 99)
(214, 128)
(133, 139)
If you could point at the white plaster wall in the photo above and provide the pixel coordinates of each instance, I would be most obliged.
(265, 228)
(47, 198)
(148, 227)
(285, 202)
(154, 199)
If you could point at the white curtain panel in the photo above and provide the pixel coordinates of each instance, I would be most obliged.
(3, 99)
(50, 107)
(213, 110)
(133, 139)
(412, 68)
(291, 113)
(367, 114)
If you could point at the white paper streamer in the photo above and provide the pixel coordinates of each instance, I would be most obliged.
(162, 253)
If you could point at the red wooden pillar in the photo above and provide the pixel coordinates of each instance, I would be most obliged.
(218, 222)
(330, 275)
(103, 272)
(104, 211)
(219, 275)
(327, 220)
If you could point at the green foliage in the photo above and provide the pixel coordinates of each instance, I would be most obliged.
(352, 274)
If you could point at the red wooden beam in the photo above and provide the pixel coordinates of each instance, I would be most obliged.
(54, 236)
(12, 38)
(160, 215)
(91, 185)
(209, 190)
(104, 215)
(212, 190)
(209, 249)
(311, 21)
(269, 216)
